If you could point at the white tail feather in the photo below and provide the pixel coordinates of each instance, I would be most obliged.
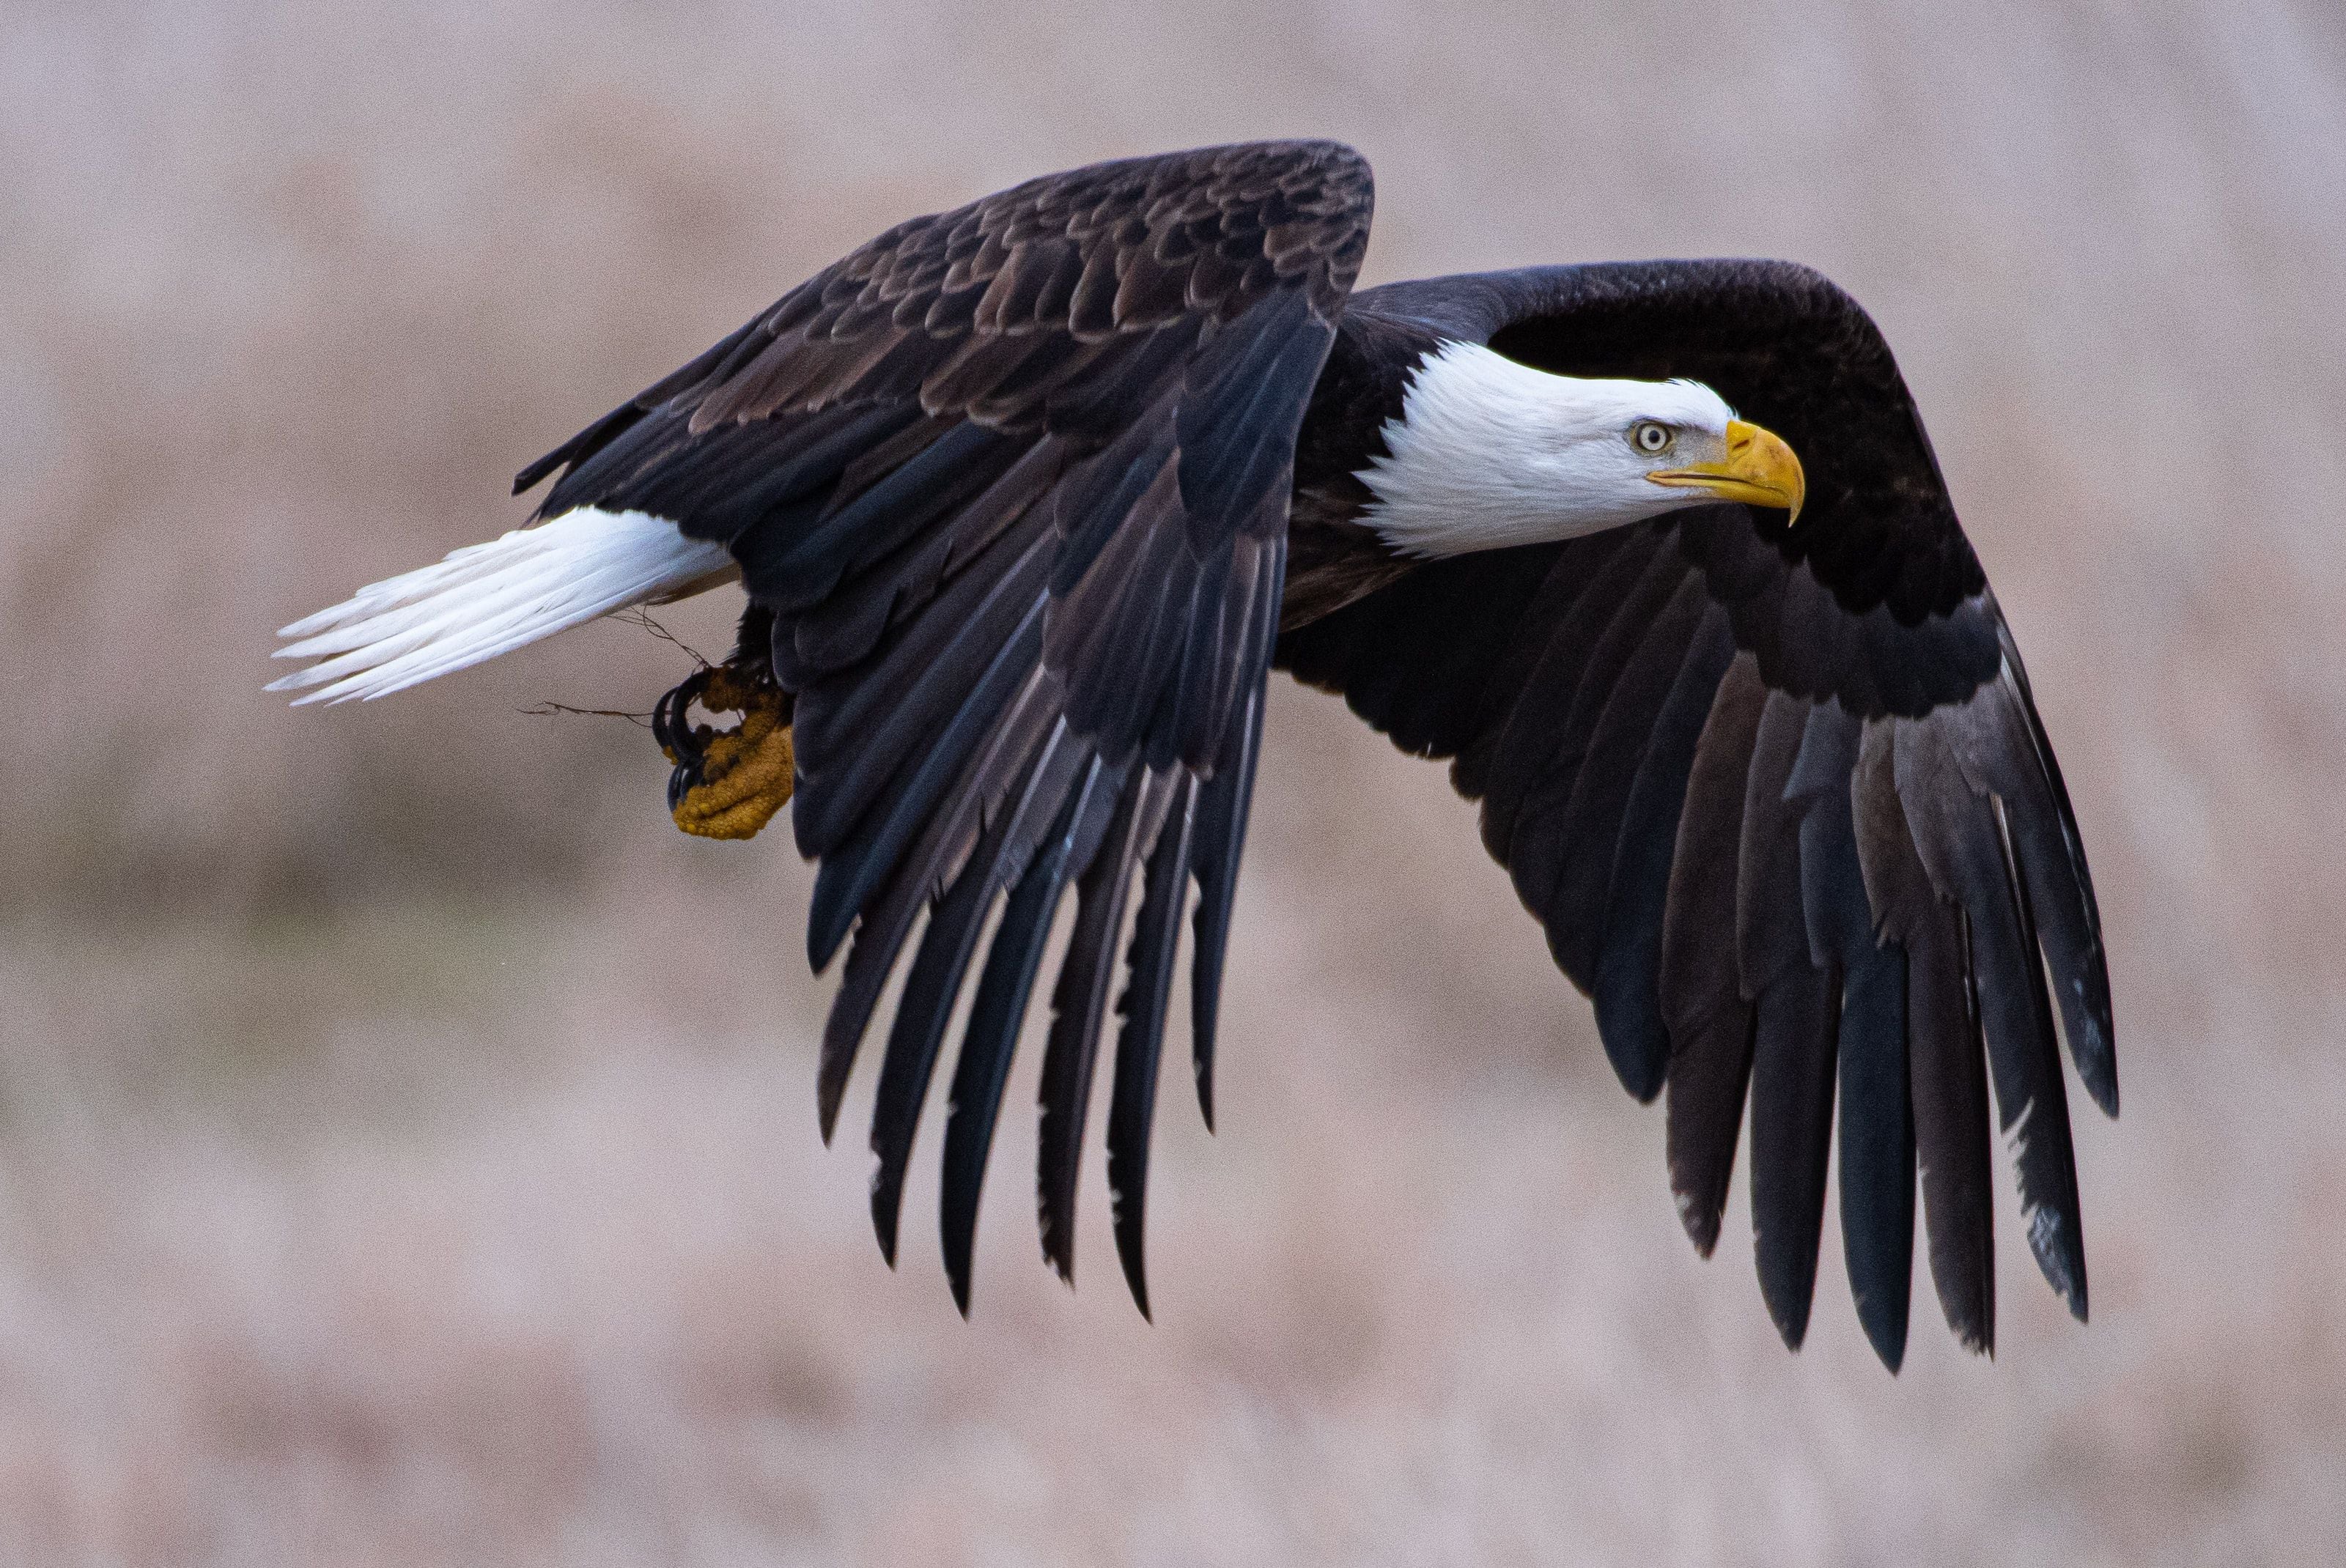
(488, 599)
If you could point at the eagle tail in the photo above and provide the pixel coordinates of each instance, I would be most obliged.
(491, 598)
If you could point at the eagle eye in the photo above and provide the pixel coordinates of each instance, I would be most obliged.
(1648, 435)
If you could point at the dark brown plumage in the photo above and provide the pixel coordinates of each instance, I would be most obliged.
(1029, 496)
(1815, 746)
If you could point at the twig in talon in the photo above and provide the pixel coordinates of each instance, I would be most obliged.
(639, 616)
(551, 709)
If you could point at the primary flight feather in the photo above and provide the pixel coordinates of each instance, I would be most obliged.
(1029, 497)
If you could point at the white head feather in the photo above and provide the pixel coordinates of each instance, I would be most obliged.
(1489, 452)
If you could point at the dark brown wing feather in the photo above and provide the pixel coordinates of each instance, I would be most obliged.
(1013, 481)
(1780, 799)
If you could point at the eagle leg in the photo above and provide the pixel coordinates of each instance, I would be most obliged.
(727, 783)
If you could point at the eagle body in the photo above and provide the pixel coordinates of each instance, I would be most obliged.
(1029, 497)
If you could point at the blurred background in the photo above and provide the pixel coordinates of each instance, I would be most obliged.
(407, 1148)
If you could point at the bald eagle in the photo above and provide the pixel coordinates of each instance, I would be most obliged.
(1029, 497)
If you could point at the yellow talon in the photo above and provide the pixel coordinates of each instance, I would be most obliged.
(735, 780)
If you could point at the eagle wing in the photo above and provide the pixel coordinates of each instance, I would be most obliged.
(1780, 796)
(1013, 482)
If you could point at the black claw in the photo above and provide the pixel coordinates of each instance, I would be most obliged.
(679, 739)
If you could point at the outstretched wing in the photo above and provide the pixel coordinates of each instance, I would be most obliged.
(1779, 797)
(1012, 481)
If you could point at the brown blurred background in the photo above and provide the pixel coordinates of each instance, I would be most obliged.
(407, 1137)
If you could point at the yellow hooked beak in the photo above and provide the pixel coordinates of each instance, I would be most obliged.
(1758, 469)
